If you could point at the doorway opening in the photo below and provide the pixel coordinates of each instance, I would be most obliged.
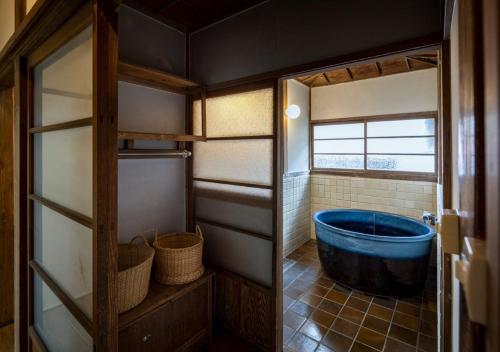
(363, 139)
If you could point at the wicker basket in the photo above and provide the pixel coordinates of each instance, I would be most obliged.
(134, 271)
(178, 257)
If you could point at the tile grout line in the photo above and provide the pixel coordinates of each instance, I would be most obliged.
(361, 324)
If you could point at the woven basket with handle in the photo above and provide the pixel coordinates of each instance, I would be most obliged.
(178, 257)
(134, 271)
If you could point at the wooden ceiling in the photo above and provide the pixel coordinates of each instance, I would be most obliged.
(190, 15)
(383, 67)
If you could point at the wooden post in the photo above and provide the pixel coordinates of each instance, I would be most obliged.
(105, 134)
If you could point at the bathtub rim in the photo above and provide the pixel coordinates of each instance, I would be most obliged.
(404, 239)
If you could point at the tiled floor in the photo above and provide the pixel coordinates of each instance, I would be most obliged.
(321, 315)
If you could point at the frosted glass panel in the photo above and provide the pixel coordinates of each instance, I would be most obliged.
(339, 161)
(421, 145)
(340, 146)
(63, 83)
(413, 163)
(240, 160)
(64, 248)
(265, 195)
(246, 255)
(242, 114)
(400, 128)
(348, 130)
(63, 168)
(59, 330)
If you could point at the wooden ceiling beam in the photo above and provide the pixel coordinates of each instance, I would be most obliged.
(326, 77)
(348, 70)
(408, 66)
(379, 69)
(424, 60)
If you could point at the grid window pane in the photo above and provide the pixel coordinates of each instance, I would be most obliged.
(57, 327)
(401, 128)
(322, 161)
(407, 163)
(335, 131)
(421, 145)
(353, 146)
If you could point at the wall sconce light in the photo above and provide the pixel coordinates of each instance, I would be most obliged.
(293, 111)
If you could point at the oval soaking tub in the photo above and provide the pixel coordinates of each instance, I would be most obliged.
(376, 252)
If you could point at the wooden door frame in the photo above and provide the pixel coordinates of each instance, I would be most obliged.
(491, 28)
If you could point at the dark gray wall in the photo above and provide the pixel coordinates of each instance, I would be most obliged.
(151, 193)
(145, 41)
(284, 33)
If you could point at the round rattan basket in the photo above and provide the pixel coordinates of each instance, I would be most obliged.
(178, 257)
(134, 271)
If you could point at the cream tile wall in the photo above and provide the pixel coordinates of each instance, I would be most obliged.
(408, 198)
(296, 211)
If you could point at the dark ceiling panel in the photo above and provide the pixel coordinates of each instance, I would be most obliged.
(191, 15)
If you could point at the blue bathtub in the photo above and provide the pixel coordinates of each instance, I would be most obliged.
(376, 252)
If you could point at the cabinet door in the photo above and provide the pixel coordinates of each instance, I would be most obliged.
(190, 317)
(151, 333)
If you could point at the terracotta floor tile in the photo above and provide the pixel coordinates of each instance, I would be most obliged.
(302, 343)
(403, 334)
(287, 302)
(323, 318)
(380, 312)
(293, 320)
(414, 300)
(359, 347)
(341, 288)
(376, 324)
(318, 290)
(337, 296)
(302, 308)
(345, 327)
(371, 338)
(325, 282)
(337, 342)
(427, 344)
(428, 329)
(429, 316)
(362, 295)
(311, 299)
(323, 348)
(293, 292)
(330, 306)
(392, 345)
(408, 321)
(313, 330)
(352, 315)
(408, 309)
(386, 302)
(287, 334)
(302, 284)
(358, 304)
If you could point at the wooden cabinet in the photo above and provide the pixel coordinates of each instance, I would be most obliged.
(171, 318)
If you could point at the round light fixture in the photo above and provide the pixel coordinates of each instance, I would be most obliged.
(293, 111)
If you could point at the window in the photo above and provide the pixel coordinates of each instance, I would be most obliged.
(392, 145)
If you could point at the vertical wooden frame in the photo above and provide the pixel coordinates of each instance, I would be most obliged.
(105, 174)
(279, 162)
(21, 202)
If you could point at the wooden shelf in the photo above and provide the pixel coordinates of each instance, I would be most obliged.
(144, 136)
(155, 78)
(158, 296)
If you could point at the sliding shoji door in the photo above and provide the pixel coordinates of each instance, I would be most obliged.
(68, 168)
(234, 194)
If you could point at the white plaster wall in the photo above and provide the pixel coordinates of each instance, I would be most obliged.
(298, 129)
(400, 93)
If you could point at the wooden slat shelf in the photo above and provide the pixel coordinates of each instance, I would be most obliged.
(144, 136)
(158, 296)
(155, 78)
